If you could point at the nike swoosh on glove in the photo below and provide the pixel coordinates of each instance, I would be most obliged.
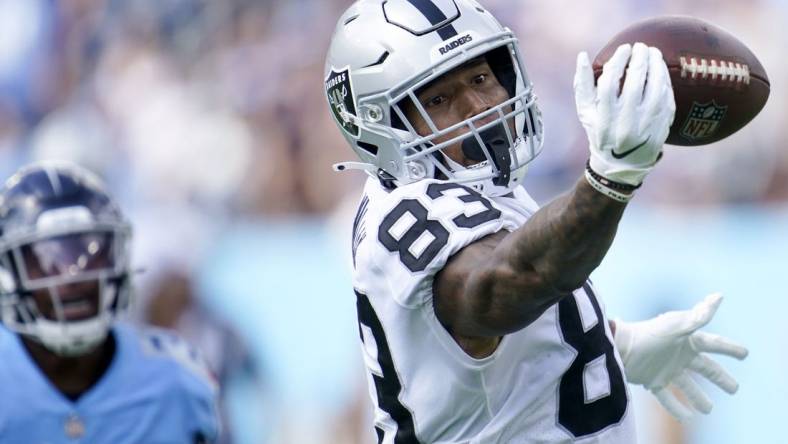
(625, 131)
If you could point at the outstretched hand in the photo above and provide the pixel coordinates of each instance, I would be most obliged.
(662, 353)
(626, 129)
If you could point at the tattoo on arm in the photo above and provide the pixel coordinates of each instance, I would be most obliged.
(567, 242)
(504, 282)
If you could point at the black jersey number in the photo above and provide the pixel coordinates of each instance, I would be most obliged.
(576, 413)
(387, 384)
(437, 190)
(440, 235)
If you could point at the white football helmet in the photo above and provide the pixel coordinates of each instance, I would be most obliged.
(384, 51)
(64, 257)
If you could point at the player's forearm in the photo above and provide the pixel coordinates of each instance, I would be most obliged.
(533, 267)
(565, 240)
(568, 240)
(506, 281)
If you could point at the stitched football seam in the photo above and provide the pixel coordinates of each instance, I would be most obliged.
(694, 67)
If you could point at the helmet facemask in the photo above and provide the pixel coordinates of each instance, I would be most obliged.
(65, 288)
(383, 52)
(502, 139)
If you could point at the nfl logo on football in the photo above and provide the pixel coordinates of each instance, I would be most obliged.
(703, 120)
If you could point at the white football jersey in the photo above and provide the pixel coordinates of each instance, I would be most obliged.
(558, 380)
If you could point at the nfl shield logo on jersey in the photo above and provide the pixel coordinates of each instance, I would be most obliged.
(74, 427)
(703, 120)
(339, 90)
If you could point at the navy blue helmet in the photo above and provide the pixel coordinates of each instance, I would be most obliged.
(64, 257)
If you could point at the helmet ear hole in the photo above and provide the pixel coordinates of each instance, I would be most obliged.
(368, 147)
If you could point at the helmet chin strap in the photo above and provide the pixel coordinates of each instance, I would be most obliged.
(487, 186)
(497, 144)
(73, 338)
(460, 172)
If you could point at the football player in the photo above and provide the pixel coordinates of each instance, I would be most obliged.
(477, 318)
(70, 372)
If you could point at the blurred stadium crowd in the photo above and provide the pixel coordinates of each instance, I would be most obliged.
(207, 115)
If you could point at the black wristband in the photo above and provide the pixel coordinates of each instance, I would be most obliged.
(617, 186)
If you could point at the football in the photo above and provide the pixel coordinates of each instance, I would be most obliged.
(718, 83)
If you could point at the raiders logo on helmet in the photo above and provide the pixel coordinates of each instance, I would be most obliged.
(339, 90)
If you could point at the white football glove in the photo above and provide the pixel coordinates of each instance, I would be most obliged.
(625, 132)
(661, 353)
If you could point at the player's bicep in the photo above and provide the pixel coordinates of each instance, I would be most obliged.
(479, 293)
(460, 289)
